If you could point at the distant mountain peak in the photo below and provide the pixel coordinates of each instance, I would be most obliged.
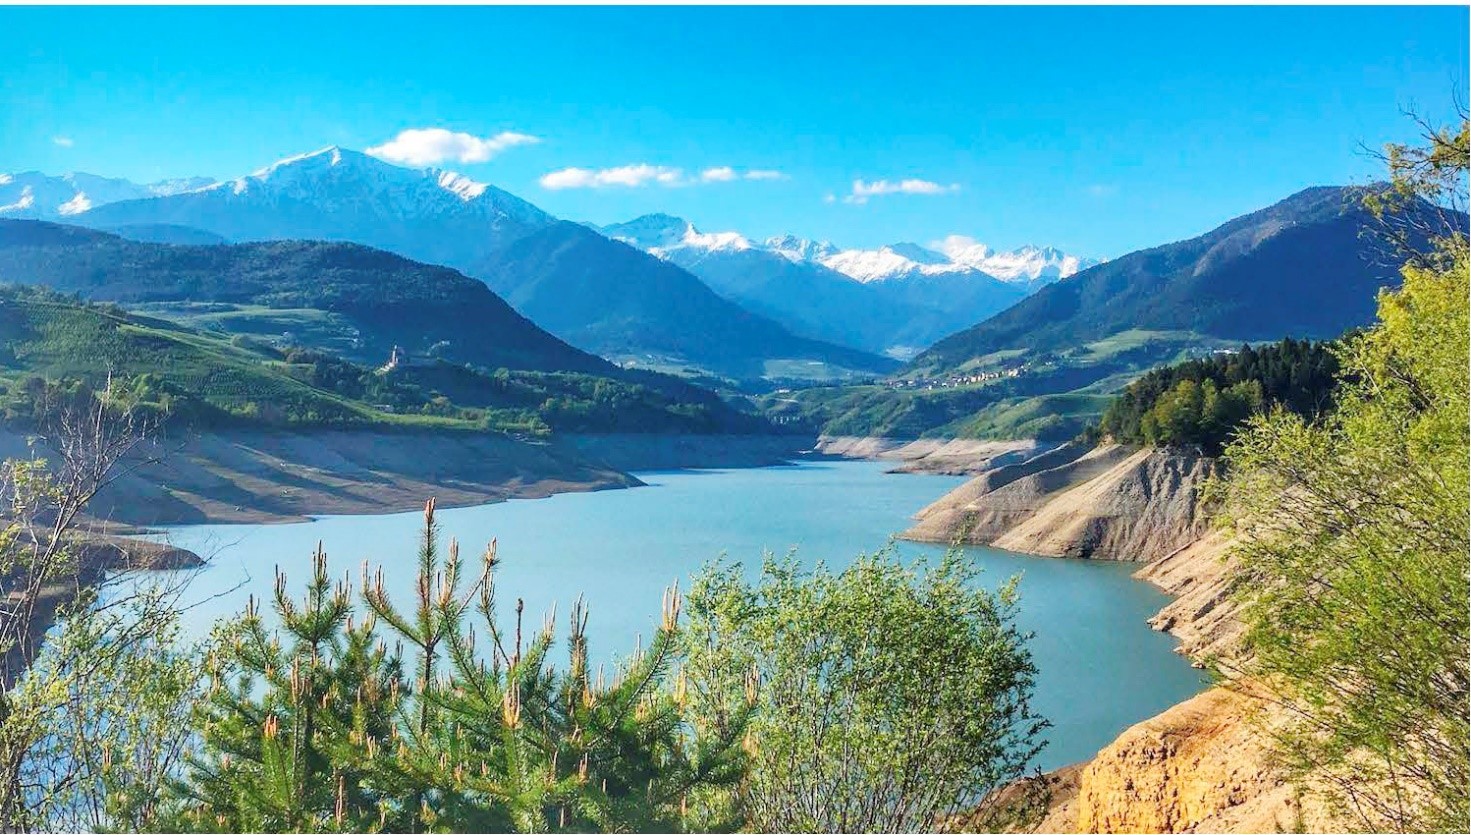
(33, 195)
(656, 231)
(800, 250)
(917, 253)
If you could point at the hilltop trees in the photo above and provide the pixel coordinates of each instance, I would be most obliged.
(1202, 402)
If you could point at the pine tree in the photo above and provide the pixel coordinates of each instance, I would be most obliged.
(298, 737)
(334, 733)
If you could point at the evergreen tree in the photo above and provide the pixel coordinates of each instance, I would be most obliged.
(333, 732)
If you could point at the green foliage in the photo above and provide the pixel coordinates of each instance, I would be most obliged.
(892, 698)
(1046, 417)
(1353, 547)
(330, 731)
(1204, 401)
(91, 732)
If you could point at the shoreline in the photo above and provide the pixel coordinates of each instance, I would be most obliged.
(96, 554)
(277, 477)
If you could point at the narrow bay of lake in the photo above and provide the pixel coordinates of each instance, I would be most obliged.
(1101, 667)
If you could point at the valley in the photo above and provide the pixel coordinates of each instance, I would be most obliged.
(1110, 525)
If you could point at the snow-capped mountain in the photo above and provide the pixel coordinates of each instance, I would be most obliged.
(798, 249)
(33, 195)
(895, 299)
(430, 215)
(1029, 266)
(659, 234)
(595, 293)
(1029, 263)
(663, 235)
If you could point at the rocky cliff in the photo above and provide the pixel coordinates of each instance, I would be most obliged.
(1111, 502)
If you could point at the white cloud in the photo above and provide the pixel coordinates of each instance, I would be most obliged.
(1102, 190)
(63, 141)
(627, 176)
(643, 174)
(951, 244)
(432, 146)
(863, 190)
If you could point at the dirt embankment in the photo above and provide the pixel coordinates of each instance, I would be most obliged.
(681, 452)
(1111, 502)
(1203, 765)
(938, 456)
(1200, 766)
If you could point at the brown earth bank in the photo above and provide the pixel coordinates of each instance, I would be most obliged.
(685, 452)
(1201, 766)
(931, 455)
(1110, 502)
(253, 476)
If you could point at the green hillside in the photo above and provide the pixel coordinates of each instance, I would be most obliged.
(209, 379)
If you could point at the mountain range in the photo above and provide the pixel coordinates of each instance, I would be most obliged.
(439, 217)
(34, 195)
(1305, 267)
(793, 307)
(895, 300)
(350, 299)
(1309, 266)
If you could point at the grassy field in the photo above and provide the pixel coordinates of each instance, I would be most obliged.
(282, 327)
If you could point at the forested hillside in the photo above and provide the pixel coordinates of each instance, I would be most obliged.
(1203, 402)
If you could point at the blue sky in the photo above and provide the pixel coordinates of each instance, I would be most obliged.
(1097, 130)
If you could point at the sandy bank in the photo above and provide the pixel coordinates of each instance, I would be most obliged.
(253, 476)
(931, 455)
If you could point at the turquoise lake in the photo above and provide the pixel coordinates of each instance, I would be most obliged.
(1101, 667)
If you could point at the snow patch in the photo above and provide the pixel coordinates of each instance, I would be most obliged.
(76, 205)
(27, 199)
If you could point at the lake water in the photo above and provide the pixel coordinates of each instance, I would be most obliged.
(1101, 667)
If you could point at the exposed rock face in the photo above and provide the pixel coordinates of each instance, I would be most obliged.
(1203, 614)
(1200, 766)
(1111, 502)
(1203, 765)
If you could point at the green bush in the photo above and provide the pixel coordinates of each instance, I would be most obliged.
(892, 697)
